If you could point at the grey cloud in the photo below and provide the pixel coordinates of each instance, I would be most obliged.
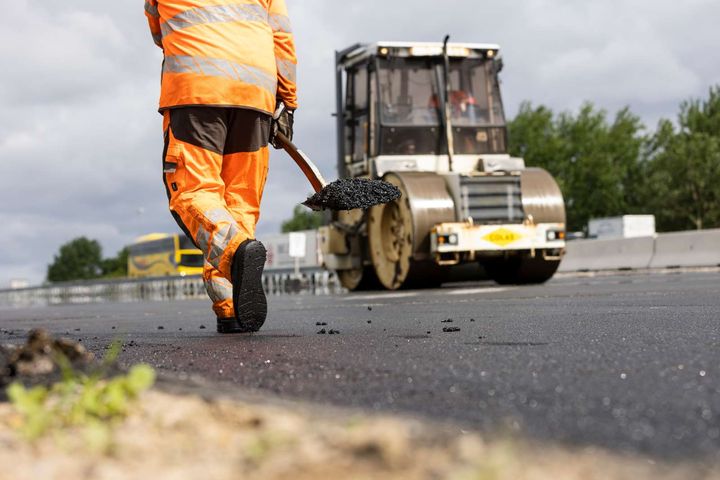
(58, 58)
(80, 137)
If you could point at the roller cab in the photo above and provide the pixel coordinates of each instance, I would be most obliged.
(428, 117)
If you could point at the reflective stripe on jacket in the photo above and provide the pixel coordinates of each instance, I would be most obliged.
(225, 53)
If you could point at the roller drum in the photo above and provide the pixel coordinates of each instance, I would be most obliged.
(542, 202)
(399, 232)
(541, 197)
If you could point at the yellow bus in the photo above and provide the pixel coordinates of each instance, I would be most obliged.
(163, 254)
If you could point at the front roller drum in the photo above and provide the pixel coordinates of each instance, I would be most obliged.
(359, 279)
(399, 232)
(521, 269)
(542, 203)
(542, 199)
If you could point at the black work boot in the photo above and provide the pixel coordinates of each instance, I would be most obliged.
(248, 294)
(228, 325)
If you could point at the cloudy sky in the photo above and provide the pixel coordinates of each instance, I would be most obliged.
(80, 138)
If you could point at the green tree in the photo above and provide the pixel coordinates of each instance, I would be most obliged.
(683, 167)
(116, 267)
(302, 219)
(79, 259)
(596, 163)
(534, 137)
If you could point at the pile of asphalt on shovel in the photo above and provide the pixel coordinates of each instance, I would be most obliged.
(353, 193)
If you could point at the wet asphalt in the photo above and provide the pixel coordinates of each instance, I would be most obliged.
(628, 362)
(353, 193)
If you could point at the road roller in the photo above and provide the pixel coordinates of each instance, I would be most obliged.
(429, 118)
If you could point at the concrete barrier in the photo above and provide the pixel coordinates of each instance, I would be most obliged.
(611, 254)
(687, 249)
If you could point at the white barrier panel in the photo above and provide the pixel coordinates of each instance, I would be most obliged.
(278, 252)
(611, 254)
(687, 249)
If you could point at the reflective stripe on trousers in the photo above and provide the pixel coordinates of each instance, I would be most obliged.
(213, 244)
(219, 290)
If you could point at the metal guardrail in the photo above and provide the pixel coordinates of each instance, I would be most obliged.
(684, 249)
(121, 290)
(315, 281)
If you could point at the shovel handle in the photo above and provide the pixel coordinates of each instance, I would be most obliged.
(306, 165)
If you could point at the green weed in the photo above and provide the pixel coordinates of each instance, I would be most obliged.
(93, 402)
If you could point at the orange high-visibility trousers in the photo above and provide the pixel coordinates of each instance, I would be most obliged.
(215, 166)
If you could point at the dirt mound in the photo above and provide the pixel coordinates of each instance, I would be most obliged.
(203, 434)
(36, 361)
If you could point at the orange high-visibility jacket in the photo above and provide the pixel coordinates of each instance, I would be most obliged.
(224, 52)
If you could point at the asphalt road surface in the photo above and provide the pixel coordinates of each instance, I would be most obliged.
(627, 362)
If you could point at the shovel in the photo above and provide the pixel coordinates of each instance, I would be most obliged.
(342, 194)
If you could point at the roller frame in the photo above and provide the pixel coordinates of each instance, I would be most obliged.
(545, 215)
(432, 213)
(477, 238)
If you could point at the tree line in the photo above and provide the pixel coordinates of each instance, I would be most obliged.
(82, 259)
(605, 167)
(613, 167)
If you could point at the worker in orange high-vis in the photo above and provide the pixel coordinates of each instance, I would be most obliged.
(228, 85)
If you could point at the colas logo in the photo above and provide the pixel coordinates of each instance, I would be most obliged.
(502, 237)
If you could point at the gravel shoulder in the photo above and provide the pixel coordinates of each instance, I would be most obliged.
(189, 431)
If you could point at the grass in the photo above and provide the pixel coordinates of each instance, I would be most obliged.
(91, 402)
